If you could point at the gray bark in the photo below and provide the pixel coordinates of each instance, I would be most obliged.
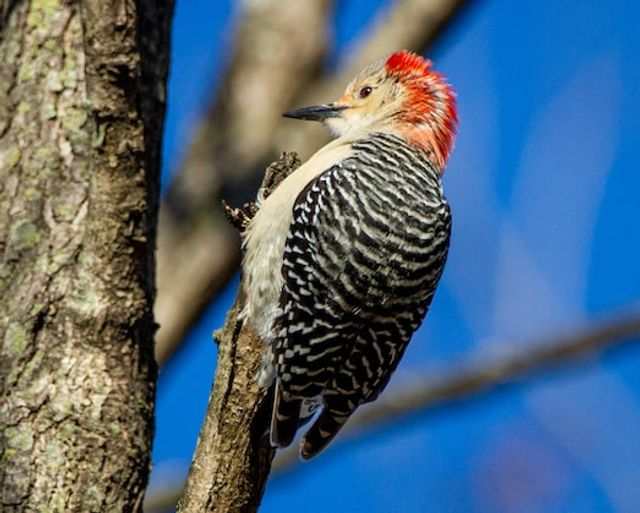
(81, 110)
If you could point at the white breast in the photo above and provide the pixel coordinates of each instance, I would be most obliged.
(267, 234)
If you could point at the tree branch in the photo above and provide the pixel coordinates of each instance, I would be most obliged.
(279, 48)
(471, 381)
(233, 457)
(235, 142)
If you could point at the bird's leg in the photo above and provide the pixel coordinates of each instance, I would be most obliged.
(277, 171)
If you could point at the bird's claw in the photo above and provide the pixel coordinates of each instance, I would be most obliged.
(240, 217)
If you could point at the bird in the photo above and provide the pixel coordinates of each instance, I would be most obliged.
(342, 260)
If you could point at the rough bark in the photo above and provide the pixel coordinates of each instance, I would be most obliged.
(81, 111)
(233, 457)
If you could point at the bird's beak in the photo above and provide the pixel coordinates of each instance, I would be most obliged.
(316, 112)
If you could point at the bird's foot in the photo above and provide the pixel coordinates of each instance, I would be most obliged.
(240, 217)
(277, 171)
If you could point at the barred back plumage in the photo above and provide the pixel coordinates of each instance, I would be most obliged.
(365, 250)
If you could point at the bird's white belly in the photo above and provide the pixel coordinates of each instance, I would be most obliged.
(262, 280)
(263, 270)
(264, 247)
(267, 235)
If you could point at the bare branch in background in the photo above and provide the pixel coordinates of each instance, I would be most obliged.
(280, 47)
(487, 376)
(461, 384)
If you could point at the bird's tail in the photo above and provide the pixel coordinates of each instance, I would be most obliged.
(284, 419)
(323, 430)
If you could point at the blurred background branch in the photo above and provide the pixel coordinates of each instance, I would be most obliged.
(486, 376)
(280, 49)
(464, 383)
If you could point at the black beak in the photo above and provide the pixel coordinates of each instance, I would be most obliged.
(316, 113)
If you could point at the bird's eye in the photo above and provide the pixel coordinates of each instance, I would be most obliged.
(365, 91)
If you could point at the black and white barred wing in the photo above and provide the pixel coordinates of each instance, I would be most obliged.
(312, 332)
(315, 313)
(360, 268)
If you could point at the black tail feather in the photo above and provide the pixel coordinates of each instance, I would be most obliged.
(284, 420)
(324, 429)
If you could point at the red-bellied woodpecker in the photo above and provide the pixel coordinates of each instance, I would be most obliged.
(343, 258)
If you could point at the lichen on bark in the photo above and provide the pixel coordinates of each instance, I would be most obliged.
(81, 110)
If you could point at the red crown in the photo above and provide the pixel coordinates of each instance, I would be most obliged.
(405, 62)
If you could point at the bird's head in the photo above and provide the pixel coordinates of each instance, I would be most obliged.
(402, 95)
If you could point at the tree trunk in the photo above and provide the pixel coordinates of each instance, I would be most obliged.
(82, 86)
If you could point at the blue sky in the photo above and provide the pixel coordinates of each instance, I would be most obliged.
(544, 186)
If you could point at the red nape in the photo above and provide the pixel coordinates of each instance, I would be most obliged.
(430, 113)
